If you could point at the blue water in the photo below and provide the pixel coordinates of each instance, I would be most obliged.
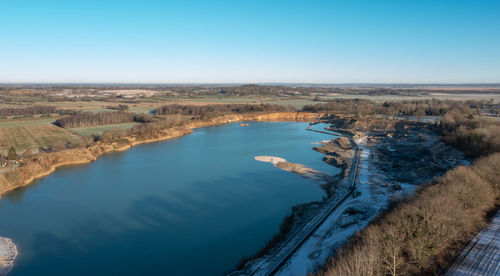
(194, 205)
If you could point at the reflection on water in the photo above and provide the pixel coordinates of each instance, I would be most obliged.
(189, 206)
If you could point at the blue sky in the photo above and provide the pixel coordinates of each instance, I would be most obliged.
(435, 41)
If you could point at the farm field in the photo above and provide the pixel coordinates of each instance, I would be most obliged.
(28, 122)
(98, 130)
(37, 137)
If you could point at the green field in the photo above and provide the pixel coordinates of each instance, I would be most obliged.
(98, 130)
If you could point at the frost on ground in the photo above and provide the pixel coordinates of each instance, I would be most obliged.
(352, 215)
(482, 254)
(391, 166)
(395, 158)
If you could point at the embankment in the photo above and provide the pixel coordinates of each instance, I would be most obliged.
(45, 163)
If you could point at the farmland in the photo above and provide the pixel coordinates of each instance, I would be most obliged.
(44, 136)
(98, 130)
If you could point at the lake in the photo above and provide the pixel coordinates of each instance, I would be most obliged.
(194, 205)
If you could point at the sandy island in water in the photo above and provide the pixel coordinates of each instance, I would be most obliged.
(293, 167)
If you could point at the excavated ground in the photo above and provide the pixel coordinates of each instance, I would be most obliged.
(400, 156)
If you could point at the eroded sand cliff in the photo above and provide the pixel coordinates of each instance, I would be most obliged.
(45, 163)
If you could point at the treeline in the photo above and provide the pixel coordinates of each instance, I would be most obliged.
(253, 89)
(213, 110)
(362, 107)
(31, 110)
(143, 131)
(423, 234)
(169, 116)
(88, 119)
(149, 126)
(311, 90)
(55, 93)
(118, 107)
(460, 124)
(476, 136)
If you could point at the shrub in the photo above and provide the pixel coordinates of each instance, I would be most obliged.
(423, 234)
(12, 155)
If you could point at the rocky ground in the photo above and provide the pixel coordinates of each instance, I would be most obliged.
(413, 154)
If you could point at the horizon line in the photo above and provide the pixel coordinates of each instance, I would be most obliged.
(255, 83)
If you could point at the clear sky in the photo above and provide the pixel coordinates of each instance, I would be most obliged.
(145, 41)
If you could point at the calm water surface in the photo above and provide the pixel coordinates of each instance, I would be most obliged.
(189, 206)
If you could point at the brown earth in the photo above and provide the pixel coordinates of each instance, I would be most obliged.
(338, 152)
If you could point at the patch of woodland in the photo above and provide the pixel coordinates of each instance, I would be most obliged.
(88, 119)
(363, 107)
(476, 136)
(214, 110)
(32, 110)
(422, 234)
(121, 107)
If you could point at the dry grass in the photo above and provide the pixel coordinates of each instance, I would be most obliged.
(34, 137)
(28, 122)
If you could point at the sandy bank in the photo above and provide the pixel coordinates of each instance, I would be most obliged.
(270, 159)
(8, 253)
(45, 163)
(293, 167)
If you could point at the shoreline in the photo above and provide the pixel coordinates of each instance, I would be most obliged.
(44, 164)
(305, 217)
(8, 253)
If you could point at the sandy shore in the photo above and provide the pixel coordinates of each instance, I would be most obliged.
(8, 253)
(45, 163)
(293, 167)
(270, 159)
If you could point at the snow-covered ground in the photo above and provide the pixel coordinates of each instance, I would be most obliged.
(353, 214)
(482, 254)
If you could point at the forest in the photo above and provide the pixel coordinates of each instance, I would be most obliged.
(430, 107)
(476, 136)
(213, 110)
(31, 110)
(87, 119)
